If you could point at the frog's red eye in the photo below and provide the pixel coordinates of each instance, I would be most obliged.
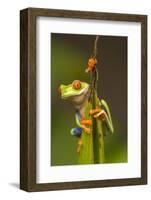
(76, 84)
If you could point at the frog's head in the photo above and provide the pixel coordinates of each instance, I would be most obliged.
(76, 92)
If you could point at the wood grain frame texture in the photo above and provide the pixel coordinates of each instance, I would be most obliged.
(28, 98)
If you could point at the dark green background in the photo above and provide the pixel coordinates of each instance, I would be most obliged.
(69, 56)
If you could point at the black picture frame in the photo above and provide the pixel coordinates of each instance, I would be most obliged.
(28, 98)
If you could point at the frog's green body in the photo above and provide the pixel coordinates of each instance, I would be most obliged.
(93, 120)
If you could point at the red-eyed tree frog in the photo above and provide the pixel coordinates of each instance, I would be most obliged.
(78, 94)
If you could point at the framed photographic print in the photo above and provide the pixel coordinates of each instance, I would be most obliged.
(83, 93)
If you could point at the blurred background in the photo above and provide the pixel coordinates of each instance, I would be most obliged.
(69, 56)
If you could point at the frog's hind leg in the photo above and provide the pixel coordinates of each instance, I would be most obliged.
(80, 144)
(77, 132)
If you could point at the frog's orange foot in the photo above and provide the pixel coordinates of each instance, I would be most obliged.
(94, 111)
(91, 64)
(86, 122)
(87, 130)
(100, 115)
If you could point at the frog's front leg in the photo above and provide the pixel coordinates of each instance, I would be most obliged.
(98, 113)
(83, 123)
(102, 112)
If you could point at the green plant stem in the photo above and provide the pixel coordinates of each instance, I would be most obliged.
(97, 134)
(86, 155)
(92, 151)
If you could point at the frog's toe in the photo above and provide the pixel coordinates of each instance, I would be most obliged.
(94, 111)
(100, 115)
